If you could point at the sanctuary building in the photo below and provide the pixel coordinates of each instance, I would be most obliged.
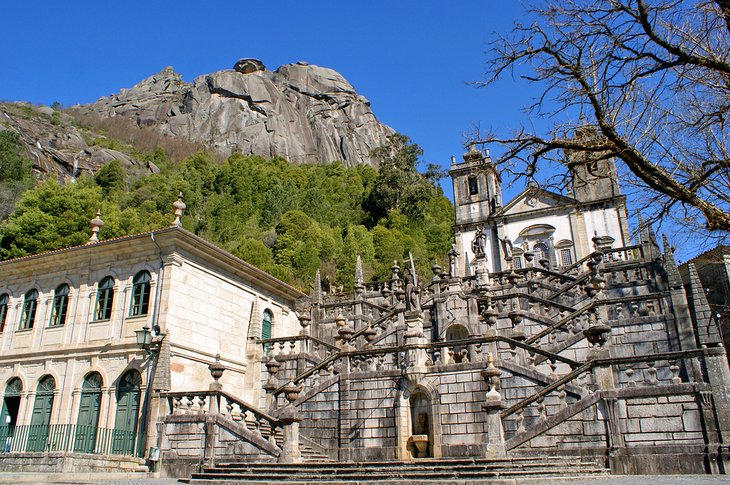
(553, 344)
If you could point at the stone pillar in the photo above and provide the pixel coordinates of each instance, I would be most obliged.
(216, 371)
(413, 336)
(492, 406)
(482, 272)
(211, 440)
(718, 376)
(290, 420)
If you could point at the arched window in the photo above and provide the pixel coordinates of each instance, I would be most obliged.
(541, 251)
(140, 294)
(565, 250)
(104, 299)
(41, 419)
(266, 329)
(473, 185)
(4, 300)
(266, 325)
(60, 306)
(88, 420)
(11, 404)
(30, 304)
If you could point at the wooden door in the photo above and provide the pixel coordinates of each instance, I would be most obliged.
(88, 420)
(41, 418)
(125, 422)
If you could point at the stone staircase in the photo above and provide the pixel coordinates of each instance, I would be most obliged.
(432, 471)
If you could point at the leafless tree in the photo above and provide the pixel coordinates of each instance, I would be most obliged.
(652, 77)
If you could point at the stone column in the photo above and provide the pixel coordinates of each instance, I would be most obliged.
(718, 376)
(290, 420)
(492, 406)
(413, 336)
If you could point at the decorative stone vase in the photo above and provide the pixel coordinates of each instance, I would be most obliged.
(490, 315)
(291, 392)
(216, 368)
(597, 334)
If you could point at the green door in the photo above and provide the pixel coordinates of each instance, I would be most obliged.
(125, 422)
(88, 420)
(41, 418)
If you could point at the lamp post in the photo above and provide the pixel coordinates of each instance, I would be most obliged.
(151, 346)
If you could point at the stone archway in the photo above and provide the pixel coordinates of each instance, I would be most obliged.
(417, 421)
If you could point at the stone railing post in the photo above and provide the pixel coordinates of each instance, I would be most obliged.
(272, 367)
(216, 371)
(290, 420)
(492, 406)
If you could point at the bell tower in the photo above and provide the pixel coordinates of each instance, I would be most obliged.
(477, 195)
(593, 175)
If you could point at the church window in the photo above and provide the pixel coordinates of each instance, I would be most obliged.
(541, 251)
(566, 257)
(140, 294)
(104, 299)
(60, 306)
(473, 185)
(30, 305)
(517, 262)
(3, 311)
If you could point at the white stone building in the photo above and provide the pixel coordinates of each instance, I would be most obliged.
(68, 352)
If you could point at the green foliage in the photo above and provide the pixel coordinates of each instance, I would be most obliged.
(286, 219)
(399, 185)
(15, 168)
(111, 177)
(13, 165)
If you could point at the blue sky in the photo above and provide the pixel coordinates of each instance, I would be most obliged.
(413, 60)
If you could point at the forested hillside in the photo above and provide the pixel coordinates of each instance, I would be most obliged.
(286, 219)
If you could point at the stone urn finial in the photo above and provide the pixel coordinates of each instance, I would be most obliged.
(216, 368)
(491, 376)
(291, 391)
(96, 224)
(178, 207)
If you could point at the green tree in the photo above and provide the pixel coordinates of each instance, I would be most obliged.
(111, 177)
(14, 166)
(398, 185)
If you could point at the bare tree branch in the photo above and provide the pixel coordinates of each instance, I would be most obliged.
(653, 78)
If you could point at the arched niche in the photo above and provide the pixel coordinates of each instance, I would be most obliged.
(418, 421)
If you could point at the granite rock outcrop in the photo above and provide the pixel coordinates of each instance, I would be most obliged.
(302, 112)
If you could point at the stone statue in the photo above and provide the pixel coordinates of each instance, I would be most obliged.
(507, 247)
(479, 243)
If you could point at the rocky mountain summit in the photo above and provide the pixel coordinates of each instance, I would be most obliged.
(302, 112)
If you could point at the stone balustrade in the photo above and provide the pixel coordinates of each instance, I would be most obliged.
(298, 344)
(228, 406)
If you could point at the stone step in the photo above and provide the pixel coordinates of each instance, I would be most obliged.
(401, 476)
(425, 462)
(402, 472)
